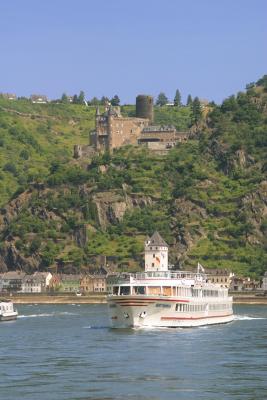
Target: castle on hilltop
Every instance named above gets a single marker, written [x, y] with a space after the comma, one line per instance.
[112, 130]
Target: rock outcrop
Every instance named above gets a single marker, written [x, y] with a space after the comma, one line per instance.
[111, 206]
[11, 258]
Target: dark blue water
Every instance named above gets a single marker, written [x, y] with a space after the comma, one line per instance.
[55, 352]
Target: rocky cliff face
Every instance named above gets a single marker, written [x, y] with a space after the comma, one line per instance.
[11, 258]
[255, 206]
[186, 228]
[111, 206]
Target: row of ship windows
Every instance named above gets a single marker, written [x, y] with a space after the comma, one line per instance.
[169, 291]
[6, 308]
[201, 307]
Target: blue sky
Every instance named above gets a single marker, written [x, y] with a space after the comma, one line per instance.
[208, 48]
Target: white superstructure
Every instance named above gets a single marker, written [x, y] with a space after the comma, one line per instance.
[162, 298]
[7, 311]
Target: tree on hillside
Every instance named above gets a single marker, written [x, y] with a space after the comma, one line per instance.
[64, 98]
[162, 99]
[196, 110]
[189, 100]
[262, 82]
[177, 99]
[115, 101]
[95, 101]
[81, 97]
[104, 100]
[75, 99]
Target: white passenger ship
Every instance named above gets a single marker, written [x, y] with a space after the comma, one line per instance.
[7, 311]
[159, 297]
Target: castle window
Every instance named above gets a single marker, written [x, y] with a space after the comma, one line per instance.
[153, 255]
[153, 265]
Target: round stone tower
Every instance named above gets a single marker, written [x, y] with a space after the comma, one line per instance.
[144, 107]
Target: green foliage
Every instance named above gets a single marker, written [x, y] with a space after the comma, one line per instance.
[196, 110]
[177, 99]
[49, 254]
[64, 98]
[189, 100]
[33, 136]
[24, 154]
[115, 101]
[180, 117]
[10, 167]
[35, 245]
[162, 99]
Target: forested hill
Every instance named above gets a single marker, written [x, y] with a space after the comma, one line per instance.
[207, 197]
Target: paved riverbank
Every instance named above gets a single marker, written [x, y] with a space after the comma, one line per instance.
[71, 299]
[239, 298]
[249, 299]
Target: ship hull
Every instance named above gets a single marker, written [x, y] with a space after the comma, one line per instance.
[137, 312]
[8, 316]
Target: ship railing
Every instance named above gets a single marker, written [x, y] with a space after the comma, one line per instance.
[141, 276]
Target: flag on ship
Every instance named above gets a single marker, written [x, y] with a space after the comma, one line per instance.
[200, 268]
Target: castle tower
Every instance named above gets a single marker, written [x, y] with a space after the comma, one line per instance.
[144, 107]
[156, 253]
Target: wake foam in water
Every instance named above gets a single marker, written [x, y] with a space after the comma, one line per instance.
[246, 318]
[96, 327]
[45, 315]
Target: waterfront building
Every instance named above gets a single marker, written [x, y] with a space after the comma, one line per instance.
[36, 283]
[11, 281]
[32, 284]
[70, 283]
[264, 282]
[222, 277]
[93, 283]
[244, 284]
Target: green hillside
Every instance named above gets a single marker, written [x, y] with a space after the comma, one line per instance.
[33, 136]
[207, 197]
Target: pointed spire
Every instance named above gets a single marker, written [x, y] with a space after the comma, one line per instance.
[156, 240]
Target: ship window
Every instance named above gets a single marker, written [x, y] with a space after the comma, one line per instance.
[179, 307]
[115, 289]
[125, 290]
[140, 289]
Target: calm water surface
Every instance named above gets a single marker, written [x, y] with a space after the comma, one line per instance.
[55, 352]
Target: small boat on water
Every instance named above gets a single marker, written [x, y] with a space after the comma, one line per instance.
[7, 310]
[160, 297]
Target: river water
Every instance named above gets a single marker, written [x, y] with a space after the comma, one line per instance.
[55, 352]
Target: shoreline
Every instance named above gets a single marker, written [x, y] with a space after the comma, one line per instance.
[43, 299]
[102, 299]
